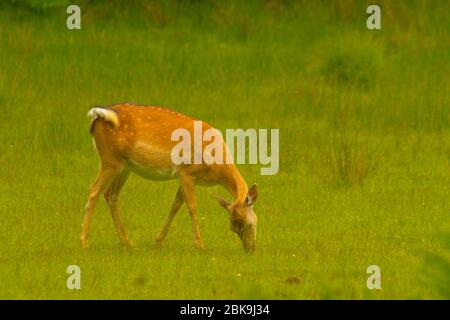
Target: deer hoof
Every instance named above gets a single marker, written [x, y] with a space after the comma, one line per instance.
[128, 243]
[199, 245]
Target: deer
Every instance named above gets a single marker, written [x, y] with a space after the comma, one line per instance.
[133, 138]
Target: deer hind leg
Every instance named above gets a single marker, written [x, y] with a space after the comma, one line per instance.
[177, 203]
[111, 197]
[103, 180]
[187, 184]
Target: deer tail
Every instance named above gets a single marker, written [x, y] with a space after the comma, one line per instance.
[108, 114]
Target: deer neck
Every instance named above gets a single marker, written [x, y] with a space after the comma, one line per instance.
[236, 185]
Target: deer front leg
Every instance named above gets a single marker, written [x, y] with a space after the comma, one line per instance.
[178, 202]
[187, 183]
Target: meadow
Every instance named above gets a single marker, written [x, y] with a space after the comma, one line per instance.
[364, 125]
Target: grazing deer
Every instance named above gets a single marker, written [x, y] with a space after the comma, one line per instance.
[131, 138]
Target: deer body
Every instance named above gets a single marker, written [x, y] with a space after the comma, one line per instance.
[131, 138]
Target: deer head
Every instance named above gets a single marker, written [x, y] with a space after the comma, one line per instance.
[243, 218]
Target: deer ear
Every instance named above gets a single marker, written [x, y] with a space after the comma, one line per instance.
[252, 195]
[224, 203]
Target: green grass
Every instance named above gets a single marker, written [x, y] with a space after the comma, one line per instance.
[364, 146]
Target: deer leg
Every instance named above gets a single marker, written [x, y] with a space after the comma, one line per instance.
[103, 180]
[187, 184]
[177, 203]
[111, 196]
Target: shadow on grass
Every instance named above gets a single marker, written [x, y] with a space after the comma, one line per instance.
[436, 270]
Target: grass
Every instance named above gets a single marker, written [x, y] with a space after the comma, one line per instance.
[364, 146]
[436, 270]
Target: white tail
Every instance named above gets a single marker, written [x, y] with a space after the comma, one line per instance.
[110, 115]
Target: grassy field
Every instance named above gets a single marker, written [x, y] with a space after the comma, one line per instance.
[364, 146]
